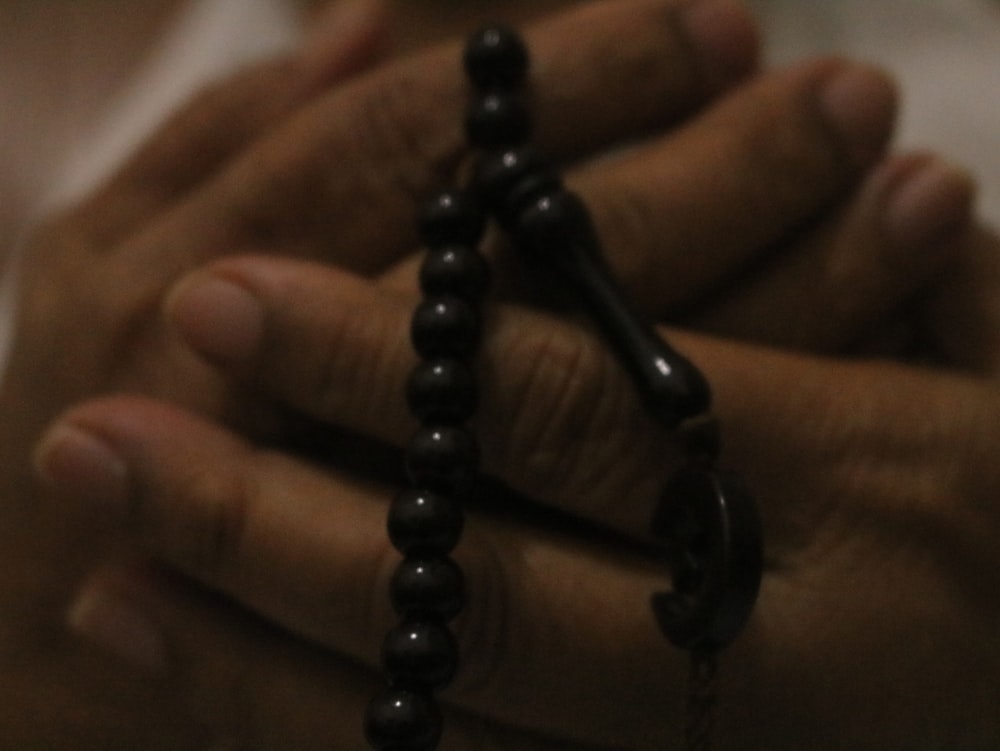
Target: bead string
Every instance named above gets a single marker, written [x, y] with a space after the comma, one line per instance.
[706, 520]
[699, 725]
[419, 656]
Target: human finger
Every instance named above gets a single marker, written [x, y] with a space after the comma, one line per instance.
[885, 469]
[342, 180]
[701, 203]
[559, 419]
[251, 684]
[562, 421]
[841, 282]
[308, 549]
[843, 458]
[226, 116]
[960, 322]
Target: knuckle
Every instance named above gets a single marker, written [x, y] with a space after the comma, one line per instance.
[572, 411]
[662, 76]
[350, 368]
[637, 240]
[204, 521]
[404, 129]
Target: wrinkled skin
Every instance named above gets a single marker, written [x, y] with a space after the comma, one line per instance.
[830, 446]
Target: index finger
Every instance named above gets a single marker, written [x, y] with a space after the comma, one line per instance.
[228, 115]
[343, 177]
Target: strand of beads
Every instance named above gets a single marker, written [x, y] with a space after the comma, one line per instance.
[706, 519]
[419, 655]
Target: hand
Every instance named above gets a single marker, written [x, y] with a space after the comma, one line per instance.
[249, 197]
[87, 279]
[95, 278]
[876, 488]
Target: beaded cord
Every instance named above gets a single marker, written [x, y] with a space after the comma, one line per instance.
[706, 519]
[420, 656]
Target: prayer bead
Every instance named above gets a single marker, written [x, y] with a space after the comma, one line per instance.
[425, 522]
[401, 720]
[451, 217]
[496, 58]
[456, 270]
[442, 458]
[507, 181]
[442, 392]
[420, 654]
[497, 121]
[428, 587]
[445, 327]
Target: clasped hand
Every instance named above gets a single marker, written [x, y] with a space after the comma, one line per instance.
[258, 300]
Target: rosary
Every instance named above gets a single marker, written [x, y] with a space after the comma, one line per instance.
[706, 521]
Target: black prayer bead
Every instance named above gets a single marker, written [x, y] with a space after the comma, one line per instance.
[442, 457]
[445, 327]
[420, 654]
[506, 182]
[496, 57]
[456, 270]
[428, 587]
[401, 720]
[550, 224]
[555, 229]
[450, 218]
[442, 391]
[425, 522]
[497, 121]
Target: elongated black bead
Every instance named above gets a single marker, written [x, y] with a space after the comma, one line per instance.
[402, 720]
[445, 327]
[425, 522]
[451, 218]
[455, 270]
[497, 120]
[428, 587]
[496, 58]
[555, 229]
[420, 654]
[442, 457]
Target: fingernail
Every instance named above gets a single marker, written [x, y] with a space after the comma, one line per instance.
[118, 626]
[928, 204]
[71, 459]
[860, 103]
[342, 39]
[217, 317]
[725, 36]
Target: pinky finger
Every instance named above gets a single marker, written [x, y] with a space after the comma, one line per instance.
[848, 275]
[252, 684]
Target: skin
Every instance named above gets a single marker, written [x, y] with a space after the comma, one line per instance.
[301, 680]
[864, 482]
